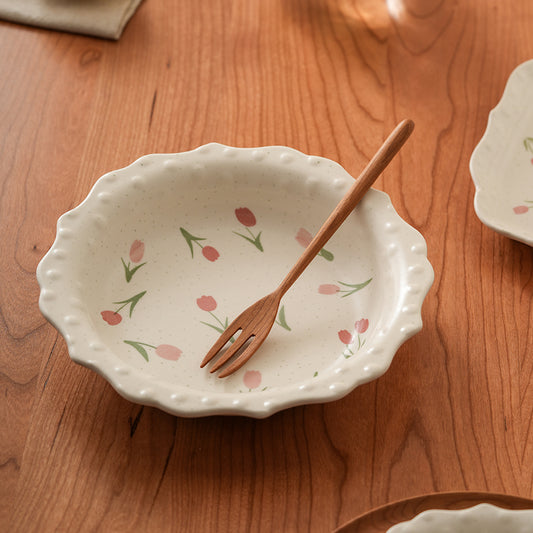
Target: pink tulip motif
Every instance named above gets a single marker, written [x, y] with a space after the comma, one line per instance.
[349, 339]
[328, 288]
[209, 252]
[252, 379]
[206, 303]
[137, 251]
[522, 209]
[135, 255]
[165, 351]
[209, 304]
[345, 337]
[361, 325]
[247, 219]
[113, 317]
[304, 238]
[347, 289]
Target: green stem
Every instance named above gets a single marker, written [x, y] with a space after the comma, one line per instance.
[218, 320]
[121, 307]
[149, 345]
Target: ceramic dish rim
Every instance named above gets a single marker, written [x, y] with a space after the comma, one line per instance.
[257, 404]
[498, 224]
[451, 513]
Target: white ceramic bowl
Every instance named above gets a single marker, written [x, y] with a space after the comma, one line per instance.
[483, 518]
[502, 163]
[148, 269]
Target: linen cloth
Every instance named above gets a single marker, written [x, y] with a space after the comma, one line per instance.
[99, 18]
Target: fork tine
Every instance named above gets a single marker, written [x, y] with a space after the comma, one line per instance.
[244, 356]
[220, 343]
[231, 351]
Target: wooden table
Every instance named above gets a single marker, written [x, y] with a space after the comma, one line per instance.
[331, 78]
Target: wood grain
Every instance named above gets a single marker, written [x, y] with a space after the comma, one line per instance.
[331, 78]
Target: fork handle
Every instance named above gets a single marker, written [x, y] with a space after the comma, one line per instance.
[375, 167]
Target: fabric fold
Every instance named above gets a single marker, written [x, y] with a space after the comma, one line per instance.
[98, 18]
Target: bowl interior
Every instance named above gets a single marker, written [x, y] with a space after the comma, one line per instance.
[162, 255]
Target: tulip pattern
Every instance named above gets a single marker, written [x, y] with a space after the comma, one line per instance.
[136, 255]
[252, 379]
[347, 289]
[134, 261]
[165, 351]
[350, 339]
[522, 209]
[113, 317]
[209, 304]
[209, 252]
[304, 238]
[247, 219]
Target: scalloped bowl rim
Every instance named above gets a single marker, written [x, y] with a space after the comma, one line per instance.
[476, 161]
[451, 515]
[330, 386]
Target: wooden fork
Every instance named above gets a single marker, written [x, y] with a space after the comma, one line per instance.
[256, 322]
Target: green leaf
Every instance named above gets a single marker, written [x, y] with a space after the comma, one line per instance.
[315, 374]
[355, 287]
[139, 347]
[190, 239]
[281, 319]
[528, 144]
[129, 272]
[328, 256]
[133, 301]
[256, 241]
[216, 328]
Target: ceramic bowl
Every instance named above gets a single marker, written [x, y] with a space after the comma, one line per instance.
[148, 270]
[502, 163]
[483, 518]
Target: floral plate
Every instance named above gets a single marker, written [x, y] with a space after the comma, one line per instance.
[148, 270]
[502, 163]
[484, 518]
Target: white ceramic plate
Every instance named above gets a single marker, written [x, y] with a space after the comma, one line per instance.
[502, 163]
[483, 518]
[151, 266]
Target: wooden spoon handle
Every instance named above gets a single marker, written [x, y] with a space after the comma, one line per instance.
[369, 175]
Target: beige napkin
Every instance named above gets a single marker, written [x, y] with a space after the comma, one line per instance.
[100, 18]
